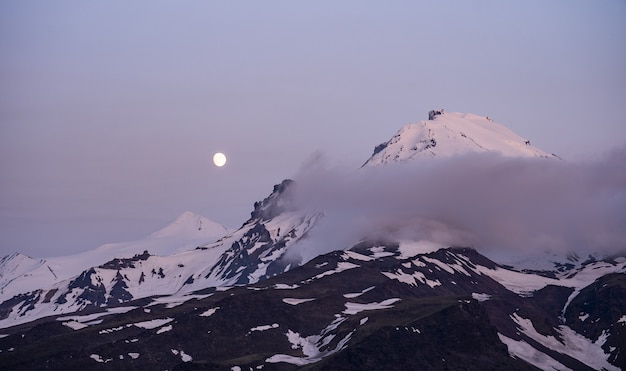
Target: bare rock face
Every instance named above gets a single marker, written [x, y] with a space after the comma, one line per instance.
[275, 204]
[433, 113]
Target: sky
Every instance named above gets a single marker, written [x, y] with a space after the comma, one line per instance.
[110, 112]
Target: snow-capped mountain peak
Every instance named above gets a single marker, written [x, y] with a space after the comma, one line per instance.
[447, 134]
[16, 264]
[20, 273]
[191, 224]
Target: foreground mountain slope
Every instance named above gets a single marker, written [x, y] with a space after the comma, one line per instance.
[375, 306]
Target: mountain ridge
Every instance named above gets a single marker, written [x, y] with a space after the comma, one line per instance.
[365, 304]
[333, 307]
[243, 256]
[180, 235]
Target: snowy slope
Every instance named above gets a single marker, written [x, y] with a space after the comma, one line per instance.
[17, 265]
[19, 273]
[247, 255]
[449, 134]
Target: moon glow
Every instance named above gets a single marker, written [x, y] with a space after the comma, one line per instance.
[219, 159]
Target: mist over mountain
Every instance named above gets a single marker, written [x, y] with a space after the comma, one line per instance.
[481, 199]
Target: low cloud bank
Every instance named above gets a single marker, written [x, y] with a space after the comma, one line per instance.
[483, 201]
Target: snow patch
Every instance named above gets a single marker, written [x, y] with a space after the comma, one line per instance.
[164, 329]
[354, 308]
[175, 300]
[110, 330]
[264, 327]
[296, 301]
[341, 266]
[209, 312]
[74, 325]
[481, 297]
[411, 279]
[356, 256]
[282, 286]
[133, 355]
[99, 359]
[380, 252]
[409, 249]
[353, 295]
[183, 356]
[149, 325]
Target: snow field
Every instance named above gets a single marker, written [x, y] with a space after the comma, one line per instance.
[311, 346]
[571, 343]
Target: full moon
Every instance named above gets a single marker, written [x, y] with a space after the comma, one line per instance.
[219, 159]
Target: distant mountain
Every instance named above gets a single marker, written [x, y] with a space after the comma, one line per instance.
[251, 253]
[191, 225]
[451, 134]
[242, 303]
[20, 273]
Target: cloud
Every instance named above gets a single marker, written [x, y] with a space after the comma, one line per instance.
[483, 200]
